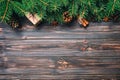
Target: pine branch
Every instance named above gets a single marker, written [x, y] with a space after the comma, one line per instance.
[17, 7]
[1, 1]
[65, 2]
[50, 10]
[46, 4]
[73, 9]
[4, 15]
[112, 6]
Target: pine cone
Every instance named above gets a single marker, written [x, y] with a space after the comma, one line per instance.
[14, 23]
[54, 23]
[65, 14]
[106, 19]
[66, 17]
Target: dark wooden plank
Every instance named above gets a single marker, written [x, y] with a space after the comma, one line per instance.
[69, 71]
[2, 47]
[54, 62]
[58, 35]
[60, 77]
[61, 52]
[78, 45]
[62, 42]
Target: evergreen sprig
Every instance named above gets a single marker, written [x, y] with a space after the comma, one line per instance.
[52, 10]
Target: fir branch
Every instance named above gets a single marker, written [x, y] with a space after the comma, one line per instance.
[112, 7]
[72, 7]
[5, 12]
[18, 7]
[65, 2]
[44, 2]
[32, 7]
[1, 1]
[53, 9]
[0, 16]
[83, 12]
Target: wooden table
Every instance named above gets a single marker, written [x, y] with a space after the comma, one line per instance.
[61, 53]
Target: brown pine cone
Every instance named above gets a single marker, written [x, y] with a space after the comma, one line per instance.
[54, 23]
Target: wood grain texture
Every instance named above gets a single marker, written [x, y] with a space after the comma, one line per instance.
[61, 53]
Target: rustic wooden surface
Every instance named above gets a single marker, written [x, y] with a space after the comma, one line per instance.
[61, 53]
